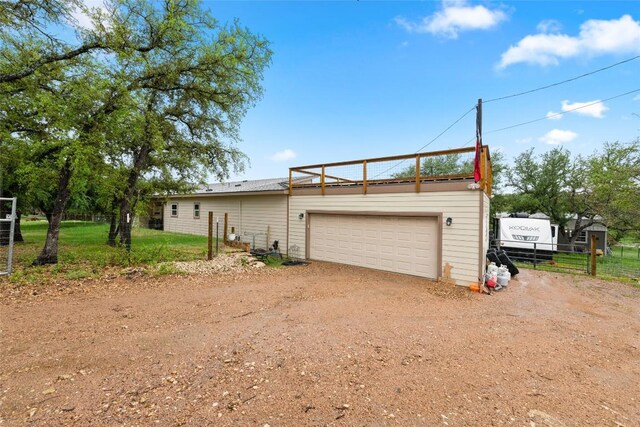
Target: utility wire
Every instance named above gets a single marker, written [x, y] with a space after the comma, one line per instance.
[555, 115]
[562, 82]
[428, 143]
[444, 131]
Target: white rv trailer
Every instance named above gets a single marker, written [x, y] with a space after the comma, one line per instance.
[527, 234]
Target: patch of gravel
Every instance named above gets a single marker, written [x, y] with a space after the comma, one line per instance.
[224, 263]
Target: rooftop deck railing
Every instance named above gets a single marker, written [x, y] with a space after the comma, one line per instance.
[417, 169]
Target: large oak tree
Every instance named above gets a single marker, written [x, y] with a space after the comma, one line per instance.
[154, 92]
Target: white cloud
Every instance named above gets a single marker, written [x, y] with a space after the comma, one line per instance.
[591, 108]
[81, 16]
[549, 26]
[524, 140]
[558, 136]
[281, 156]
[552, 115]
[596, 37]
[454, 17]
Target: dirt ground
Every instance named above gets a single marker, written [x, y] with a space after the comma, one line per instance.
[320, 345]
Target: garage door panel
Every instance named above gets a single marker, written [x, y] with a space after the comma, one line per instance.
[386, 235]
[424, 237]
[401, 244]
[403, 236]
[385, 250]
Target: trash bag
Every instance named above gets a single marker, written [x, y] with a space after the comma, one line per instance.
[493, 257]
[504, 258]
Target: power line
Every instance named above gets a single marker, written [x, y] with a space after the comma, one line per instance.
[555, 114]
[564, 112]
[562, 82]
[444, 131]
[430, 142]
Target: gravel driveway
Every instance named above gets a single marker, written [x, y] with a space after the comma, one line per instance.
[321, 344]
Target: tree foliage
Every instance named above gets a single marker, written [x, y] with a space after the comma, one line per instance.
[455, 164]
[150, 97]
[602, 187]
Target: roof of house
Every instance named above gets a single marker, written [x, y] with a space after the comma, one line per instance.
[246, 186]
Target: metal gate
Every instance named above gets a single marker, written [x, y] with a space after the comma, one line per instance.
[7, 227]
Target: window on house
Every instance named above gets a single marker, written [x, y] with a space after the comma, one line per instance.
[582, 237]
[196, 210]
[174, 209]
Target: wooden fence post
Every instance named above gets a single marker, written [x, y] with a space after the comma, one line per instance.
[210, 234]
[593, 254]
[226, 222]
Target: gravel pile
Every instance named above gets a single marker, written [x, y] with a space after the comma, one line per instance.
[224, 263]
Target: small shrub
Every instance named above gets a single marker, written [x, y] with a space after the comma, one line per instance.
[78, 274]
[166, 268]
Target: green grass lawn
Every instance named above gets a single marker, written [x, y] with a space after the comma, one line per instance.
[83, 251]
[626, 251]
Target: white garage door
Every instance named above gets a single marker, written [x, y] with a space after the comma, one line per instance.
[401, 244]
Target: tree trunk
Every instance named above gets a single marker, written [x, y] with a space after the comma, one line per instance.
[114, 226]
[127, 202]
[114, 230]
[126, 219]
[572, 242]
[17, 231]
[49, 254]
[140, 162]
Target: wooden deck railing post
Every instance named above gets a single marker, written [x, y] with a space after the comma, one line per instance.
[364, 177]
[418, 173]
[290, 180]
[322, 180]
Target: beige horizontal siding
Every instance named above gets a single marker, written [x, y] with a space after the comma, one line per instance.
[460, 242]
[261, 214]
[485, 230]
[247, 215]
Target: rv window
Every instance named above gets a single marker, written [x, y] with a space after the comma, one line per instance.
[553, 231]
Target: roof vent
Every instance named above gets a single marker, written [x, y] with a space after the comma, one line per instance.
[209, 189]
[238, 185]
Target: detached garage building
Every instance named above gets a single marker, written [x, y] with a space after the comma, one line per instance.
[402, 214]
[380, 213]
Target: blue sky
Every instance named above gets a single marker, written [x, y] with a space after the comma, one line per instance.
[352, 80]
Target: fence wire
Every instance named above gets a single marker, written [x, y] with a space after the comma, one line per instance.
[614, 264]
[7, 223]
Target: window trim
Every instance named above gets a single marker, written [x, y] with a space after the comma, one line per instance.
[578, 238]
[196, 210]
[171, 209]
